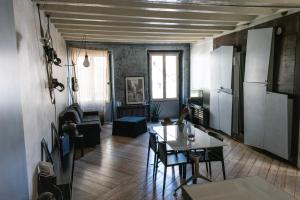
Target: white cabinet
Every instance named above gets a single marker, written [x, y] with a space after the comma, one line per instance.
[267, 119]
[277, 129]
[221, 88]
[226, 62]
[258, 55]
[214, 70]
[225, 110]
[254, 114]
[214, 118]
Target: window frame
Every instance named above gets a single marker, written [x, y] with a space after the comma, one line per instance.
[164, 54]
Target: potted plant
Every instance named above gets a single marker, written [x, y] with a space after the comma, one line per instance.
[155, 112]
[183, 115]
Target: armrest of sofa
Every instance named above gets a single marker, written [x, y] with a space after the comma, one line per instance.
[91, 132]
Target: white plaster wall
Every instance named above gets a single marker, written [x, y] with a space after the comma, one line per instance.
[200, 67]
[38, 112]
[200, 54]
[13, 176]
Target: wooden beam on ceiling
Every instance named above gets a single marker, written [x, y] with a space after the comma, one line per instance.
[102, 32]
[146, 14]
[138, 26]
[250, 3]
[133, 29]
[121, 40]
[132, 37]
[175, 7]
[130, 20]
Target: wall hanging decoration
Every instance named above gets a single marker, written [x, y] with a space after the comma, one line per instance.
[50, 57]
[135, 90]
[74, 80]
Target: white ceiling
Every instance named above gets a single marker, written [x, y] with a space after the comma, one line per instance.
[155, 21]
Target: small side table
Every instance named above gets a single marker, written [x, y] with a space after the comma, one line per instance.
[79, 142]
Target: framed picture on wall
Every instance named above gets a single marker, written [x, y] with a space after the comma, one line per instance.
[135, 90]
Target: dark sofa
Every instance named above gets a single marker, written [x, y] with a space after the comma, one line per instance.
[87, 123]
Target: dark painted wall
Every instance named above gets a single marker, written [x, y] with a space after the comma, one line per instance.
[13, 178]
[132, 60]
[286, 61]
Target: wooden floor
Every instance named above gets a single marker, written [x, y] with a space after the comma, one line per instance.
[116, 169]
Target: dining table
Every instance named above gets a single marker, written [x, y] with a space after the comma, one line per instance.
[188, 138]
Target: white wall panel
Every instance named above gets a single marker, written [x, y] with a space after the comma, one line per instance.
[254, 114]
[276, 138]
[259, 46]
[225, 110]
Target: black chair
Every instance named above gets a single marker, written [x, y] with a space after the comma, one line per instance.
[169, 160]
[153, 146]
[215, 154]
[153, 141]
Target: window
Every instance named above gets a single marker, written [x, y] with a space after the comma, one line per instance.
[93, 81]
[164, 75]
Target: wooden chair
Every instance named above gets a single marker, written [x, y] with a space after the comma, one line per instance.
[169, 160]
[215, 154]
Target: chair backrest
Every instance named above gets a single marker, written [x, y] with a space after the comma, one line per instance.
[54, 136]
[215, 135]
[45, 152]
[153, 141]
[162, 152]
[215, 153]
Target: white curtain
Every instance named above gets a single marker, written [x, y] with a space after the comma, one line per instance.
[93, 81]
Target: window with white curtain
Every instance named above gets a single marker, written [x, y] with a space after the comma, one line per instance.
[93, 81]
[164, 75]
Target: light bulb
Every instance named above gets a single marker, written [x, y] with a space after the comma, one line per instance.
[86, 61]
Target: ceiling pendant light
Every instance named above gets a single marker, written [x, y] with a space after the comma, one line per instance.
[86, 61]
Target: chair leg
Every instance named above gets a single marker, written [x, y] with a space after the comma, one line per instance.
[154, 167]
[165, 174]
[180, 170]
[81, 148]
[223, 168]
[206, 167]
[148, 156]
[184, 171]
[209, 165]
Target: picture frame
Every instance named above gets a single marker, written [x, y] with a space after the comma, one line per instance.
[135, 90]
